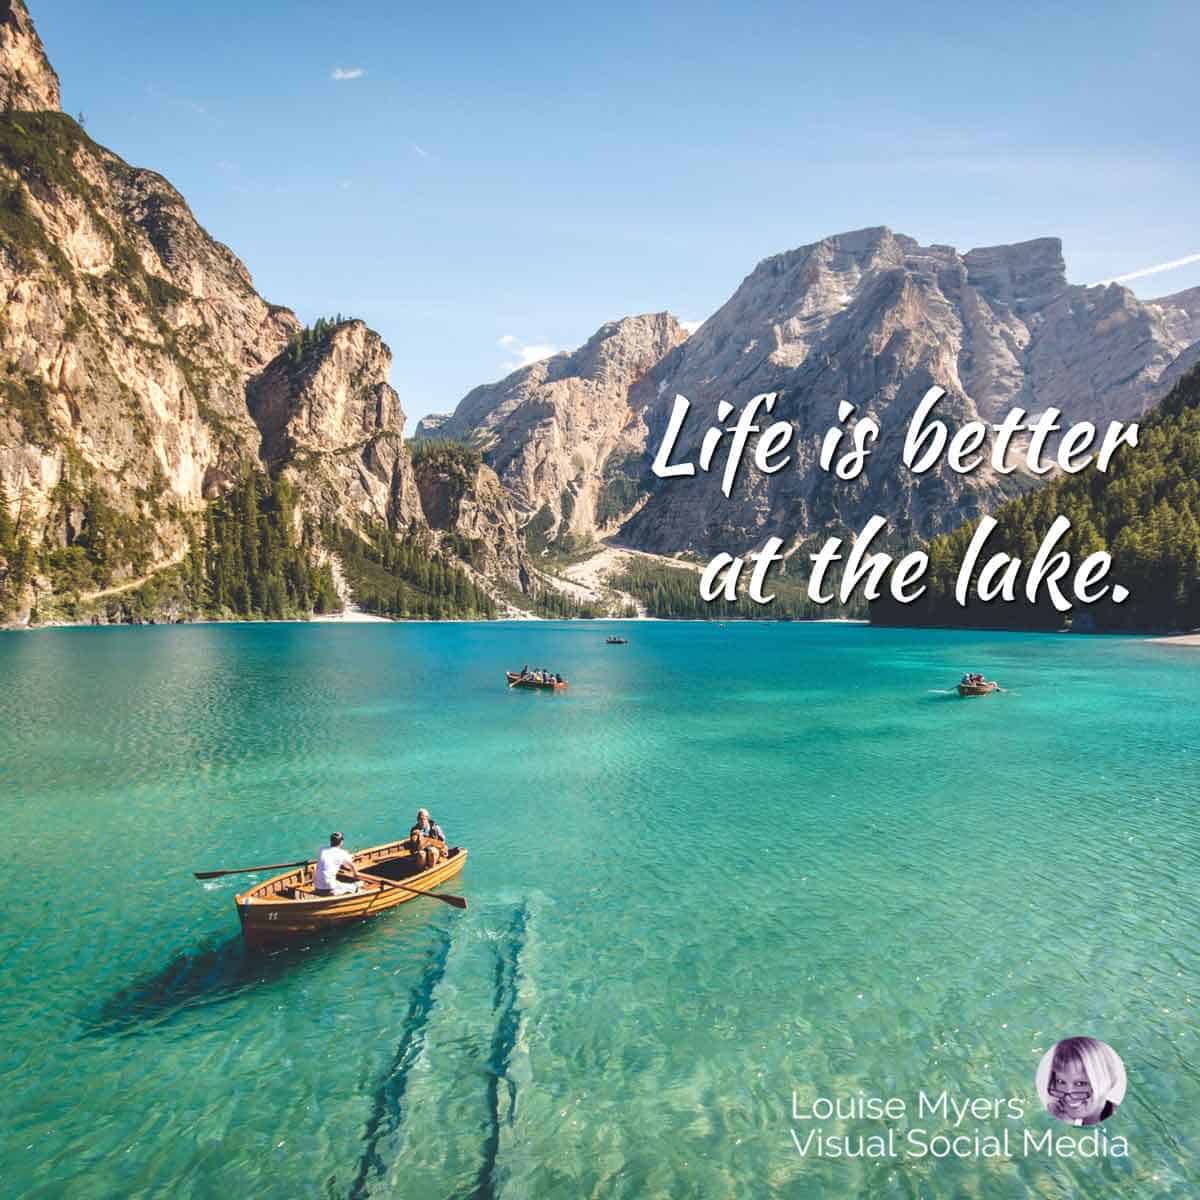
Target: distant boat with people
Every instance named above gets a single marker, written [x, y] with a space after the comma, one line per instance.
[976, 685]
[537, 678]
[616, 641]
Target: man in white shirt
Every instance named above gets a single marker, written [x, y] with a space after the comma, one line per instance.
[330, 861]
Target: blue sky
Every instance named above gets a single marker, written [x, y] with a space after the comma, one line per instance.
[487, 179]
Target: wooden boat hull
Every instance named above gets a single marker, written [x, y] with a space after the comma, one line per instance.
[977, 689]
[516, 680]
[285, 907]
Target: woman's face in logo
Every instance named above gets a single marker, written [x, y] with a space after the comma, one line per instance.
[1074, 1097]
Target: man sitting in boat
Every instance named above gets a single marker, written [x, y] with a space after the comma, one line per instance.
[427, 826]
[330, 861]
[425, 853]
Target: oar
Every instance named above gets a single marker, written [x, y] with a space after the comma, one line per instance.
[456, 901]
[246, 870]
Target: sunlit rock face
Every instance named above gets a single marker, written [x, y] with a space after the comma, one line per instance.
[874, 319]
[28, 82]
[138, 363]
[566, 435]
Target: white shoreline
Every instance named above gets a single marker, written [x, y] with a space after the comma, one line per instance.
[362, 618]
[1191, 640]
[348, 616]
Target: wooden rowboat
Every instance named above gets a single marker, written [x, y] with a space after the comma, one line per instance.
[516, 679]
[286, 906]
[986, 688]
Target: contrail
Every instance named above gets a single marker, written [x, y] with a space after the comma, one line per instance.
[1158, 270]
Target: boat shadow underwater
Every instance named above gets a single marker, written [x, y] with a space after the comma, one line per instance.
[444, 959]
[220, 971]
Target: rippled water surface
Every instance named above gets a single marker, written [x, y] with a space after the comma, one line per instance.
[730, 864]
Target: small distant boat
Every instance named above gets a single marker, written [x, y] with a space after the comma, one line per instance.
[616, 641]
[516, 679]
[287, 907]
[978, 687]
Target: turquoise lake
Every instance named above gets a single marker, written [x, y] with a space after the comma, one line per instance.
[729, 865]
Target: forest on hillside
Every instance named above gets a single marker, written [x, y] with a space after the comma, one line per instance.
[1144, 511]
[674, 593]
[243, 559]
[246, 559]
[401, 578]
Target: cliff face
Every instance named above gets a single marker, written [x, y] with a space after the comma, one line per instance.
[332, 423]
[470, 512]
[565, 436]
[1181, 314]
[141, 373]
[128, 335]
[27, 80]
[127, 340]
[430, 426]
[875, 319]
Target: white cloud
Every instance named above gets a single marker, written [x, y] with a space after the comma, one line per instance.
[691, 326]
[341, 73]
[522, 354]
[1186, 261]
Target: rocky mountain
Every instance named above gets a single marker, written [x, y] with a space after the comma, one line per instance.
[869, 317]
[463, 500]
[143, 379]
[28, 82]
[430, 425]
[875, 319]
[566, 435]
[141, 373]
[331, 423]
[1181, 313]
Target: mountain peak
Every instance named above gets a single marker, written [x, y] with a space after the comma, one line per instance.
[623, 349]
[28, 82]
[1025, 273]
[560, 432]
[858, 247]
[1181, 314]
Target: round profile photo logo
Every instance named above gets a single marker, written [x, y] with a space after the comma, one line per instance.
[1081, 1080]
